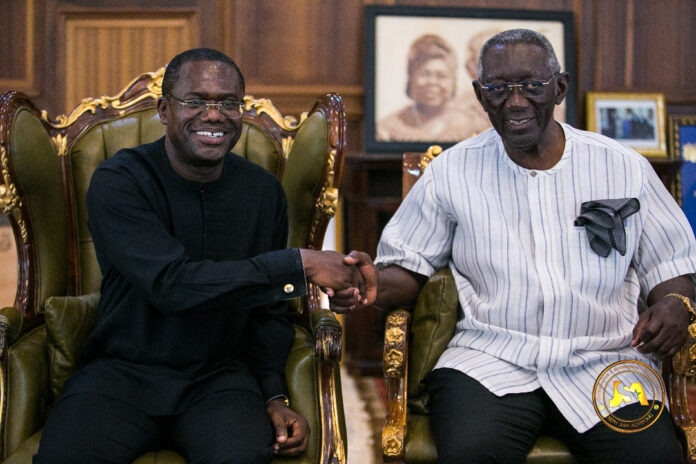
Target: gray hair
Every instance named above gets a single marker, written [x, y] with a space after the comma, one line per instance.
[521, 36]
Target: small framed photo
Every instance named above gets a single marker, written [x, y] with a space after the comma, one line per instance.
[420, 63]
[634, 119]
[682, 147]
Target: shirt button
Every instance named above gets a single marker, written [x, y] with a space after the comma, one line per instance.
[533, 173]
[289, 288]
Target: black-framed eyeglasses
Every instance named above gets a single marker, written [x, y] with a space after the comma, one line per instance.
[230, 108]
[501, 90]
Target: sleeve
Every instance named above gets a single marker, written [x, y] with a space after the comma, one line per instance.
[419, 235]
[133, 240]
[667, 248]
[272, 332]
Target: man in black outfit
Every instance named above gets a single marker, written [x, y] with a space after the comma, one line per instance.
[193, 331]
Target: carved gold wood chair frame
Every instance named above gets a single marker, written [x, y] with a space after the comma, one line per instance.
[676, 372]
[141, 93]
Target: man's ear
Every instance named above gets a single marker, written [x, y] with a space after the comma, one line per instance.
[562, 84]
[162, 109]
[479, 94]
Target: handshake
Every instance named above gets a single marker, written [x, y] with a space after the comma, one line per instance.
[350, 280]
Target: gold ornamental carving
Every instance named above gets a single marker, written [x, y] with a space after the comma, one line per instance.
[394, 335]
[328, 198]
[684, 360]
[429, 155]
[10, 203]
[690, 435]
[392, 440]
[327, 202]
[90, 104]
[60, 141]
[397, 318]
[286, 145]
[393, 362]
[264, 105]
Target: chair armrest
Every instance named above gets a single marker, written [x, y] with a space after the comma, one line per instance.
[327, 335]
[396, 371]
[676, 373]
[327, 332]
[24, 381]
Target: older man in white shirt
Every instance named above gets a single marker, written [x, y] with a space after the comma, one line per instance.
[547, 306]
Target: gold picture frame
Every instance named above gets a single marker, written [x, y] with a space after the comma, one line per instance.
[632, 118]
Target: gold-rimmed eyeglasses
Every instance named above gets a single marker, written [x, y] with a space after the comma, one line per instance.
[501, 90]
[230, 108]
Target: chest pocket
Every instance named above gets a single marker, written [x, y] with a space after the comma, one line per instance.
[594, 274]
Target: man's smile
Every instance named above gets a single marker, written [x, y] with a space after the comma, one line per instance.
[519, 122]
[211, 136]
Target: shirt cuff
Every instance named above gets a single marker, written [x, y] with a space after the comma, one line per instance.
[285, 399]
[286, 274]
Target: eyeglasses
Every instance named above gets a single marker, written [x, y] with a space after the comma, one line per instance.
[230, 108]
[502, 90]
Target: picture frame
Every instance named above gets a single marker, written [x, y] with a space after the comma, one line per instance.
[682, 147]
[633, 118]
[395, 37]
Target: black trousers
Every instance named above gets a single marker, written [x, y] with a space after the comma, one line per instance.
[472, 425]
[226, 427]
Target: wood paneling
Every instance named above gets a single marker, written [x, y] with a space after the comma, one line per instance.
[663, 56]
[17, 57]
[279, 51]
[122, 45]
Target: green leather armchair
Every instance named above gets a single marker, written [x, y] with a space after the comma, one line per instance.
[46, 165]
[414, 340]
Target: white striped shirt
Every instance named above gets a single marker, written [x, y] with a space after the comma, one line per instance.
[540, 308]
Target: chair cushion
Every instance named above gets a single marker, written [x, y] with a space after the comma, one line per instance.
[432, 326]
[69, 321]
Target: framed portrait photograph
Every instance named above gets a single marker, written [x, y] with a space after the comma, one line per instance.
[634, 119]
[682, 146]
[421, 61]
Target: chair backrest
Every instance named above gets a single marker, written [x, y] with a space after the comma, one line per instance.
[46, 166]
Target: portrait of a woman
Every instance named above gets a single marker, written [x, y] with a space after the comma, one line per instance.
[431, 85]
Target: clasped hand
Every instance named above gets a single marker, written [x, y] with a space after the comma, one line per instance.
[349, 281]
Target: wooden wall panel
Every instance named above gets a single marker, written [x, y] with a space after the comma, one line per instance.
[664, 43]
[609, 45]
[306, 48]
[17, 57]
[122, 45]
